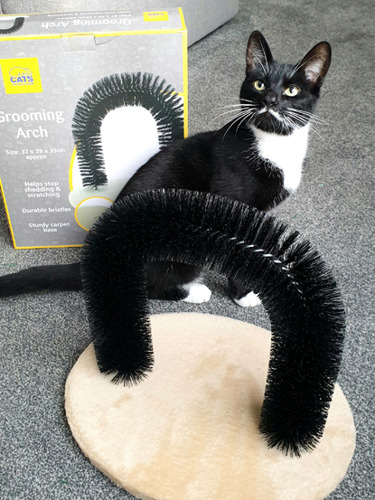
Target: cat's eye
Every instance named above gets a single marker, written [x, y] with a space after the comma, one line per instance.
[259, 85]
[292, 91]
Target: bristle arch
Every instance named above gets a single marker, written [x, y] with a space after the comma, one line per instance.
[295, 285]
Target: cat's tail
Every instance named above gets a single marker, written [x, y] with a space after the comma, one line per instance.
[42, 278]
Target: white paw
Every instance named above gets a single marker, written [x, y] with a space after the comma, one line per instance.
[249, 300]
[198, 293]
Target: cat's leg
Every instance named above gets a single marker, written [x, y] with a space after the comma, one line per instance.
[175, 281]
[241, 295]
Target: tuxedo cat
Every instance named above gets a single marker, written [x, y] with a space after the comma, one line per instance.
[256, 158]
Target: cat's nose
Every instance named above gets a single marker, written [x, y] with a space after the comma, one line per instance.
[270, 99]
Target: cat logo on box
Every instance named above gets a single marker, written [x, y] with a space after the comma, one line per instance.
[21, 76]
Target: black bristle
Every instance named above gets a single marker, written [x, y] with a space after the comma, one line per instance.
[17, 25]
[112, 92]
[294, 284]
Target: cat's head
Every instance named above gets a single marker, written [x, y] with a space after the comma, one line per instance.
[282, 97]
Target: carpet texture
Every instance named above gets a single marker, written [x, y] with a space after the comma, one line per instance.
[190, 431]
[43, 335]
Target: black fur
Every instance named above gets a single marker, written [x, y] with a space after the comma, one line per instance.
[224, 162]
[249, 247]
[51, 278]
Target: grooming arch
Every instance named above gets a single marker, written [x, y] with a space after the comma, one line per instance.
[295, 286]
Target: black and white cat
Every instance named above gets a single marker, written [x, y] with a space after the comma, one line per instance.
[256, 158]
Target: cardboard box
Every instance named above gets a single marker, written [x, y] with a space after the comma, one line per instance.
[53, 68]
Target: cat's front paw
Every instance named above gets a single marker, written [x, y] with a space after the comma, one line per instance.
[197, 293]
[249, 300]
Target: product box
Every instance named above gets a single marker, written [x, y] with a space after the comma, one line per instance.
[86, 99]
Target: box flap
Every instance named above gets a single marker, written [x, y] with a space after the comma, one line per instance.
[99, 22]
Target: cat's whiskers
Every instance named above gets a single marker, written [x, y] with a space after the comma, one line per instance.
[311, 116]
[290, 123]
[240, 106]
[305, 117]
[241, 122]
[298, 121]
[297, 118]
[240, 114]
[235, 108]
[235, 117]
[295, 121]
[248, 100]
[248, 114]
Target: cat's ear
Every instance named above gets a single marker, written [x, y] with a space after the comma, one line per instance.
[258, 53]
[316, 63]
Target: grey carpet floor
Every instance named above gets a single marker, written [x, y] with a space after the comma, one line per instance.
[43, 335]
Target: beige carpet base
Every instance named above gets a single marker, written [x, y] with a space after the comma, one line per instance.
[190, 431]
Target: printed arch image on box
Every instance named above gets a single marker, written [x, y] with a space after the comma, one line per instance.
[119, 123]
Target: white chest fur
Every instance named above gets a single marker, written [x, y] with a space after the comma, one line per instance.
[286, 152]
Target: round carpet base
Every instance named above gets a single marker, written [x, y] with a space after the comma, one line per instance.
[190, 431]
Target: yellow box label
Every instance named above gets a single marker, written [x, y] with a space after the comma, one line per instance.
[155, 16]
[21, 76]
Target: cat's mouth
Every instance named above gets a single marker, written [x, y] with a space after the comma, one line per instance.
[269, 112]
[270, 120]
